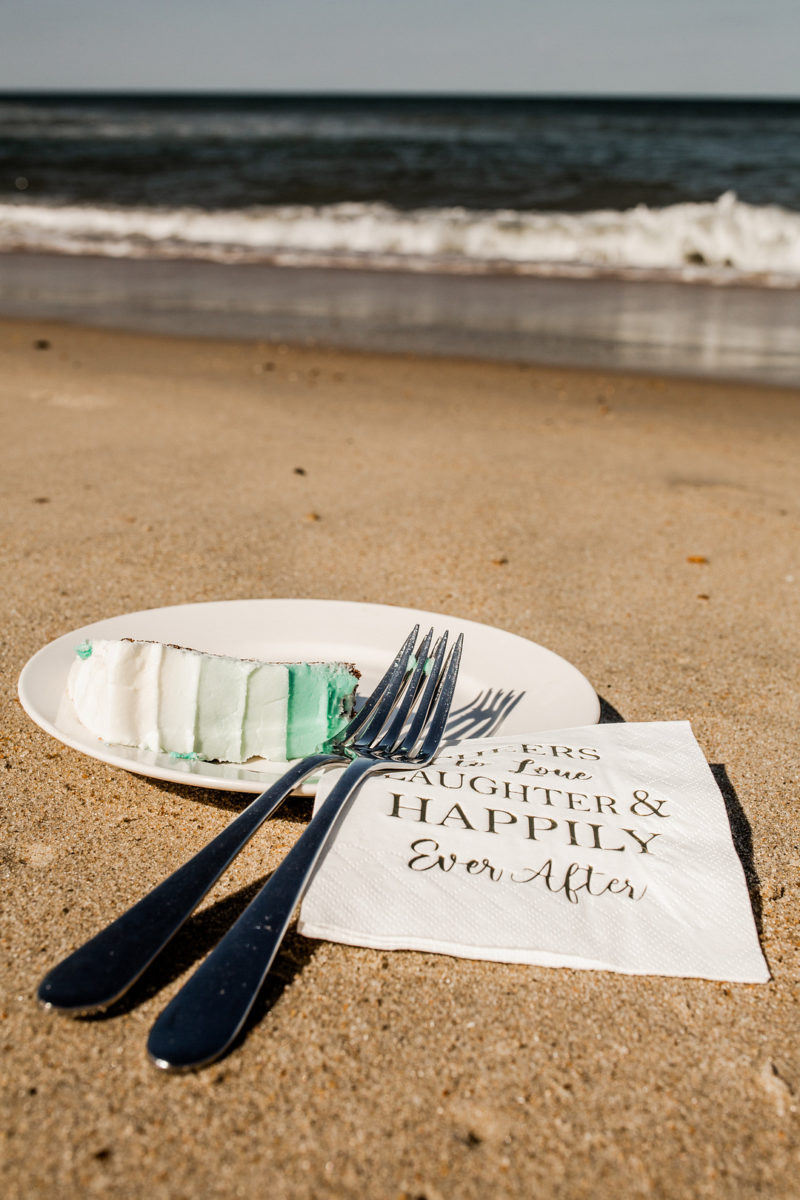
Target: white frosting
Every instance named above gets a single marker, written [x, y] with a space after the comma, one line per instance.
[167, 698]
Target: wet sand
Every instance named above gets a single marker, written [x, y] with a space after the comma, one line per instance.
[629, 322]
[644, 528]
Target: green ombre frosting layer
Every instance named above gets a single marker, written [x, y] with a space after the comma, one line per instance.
[321, 697]
[195, 705]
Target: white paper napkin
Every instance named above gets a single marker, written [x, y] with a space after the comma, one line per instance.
[603, 847]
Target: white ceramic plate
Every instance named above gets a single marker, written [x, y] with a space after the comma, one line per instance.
[506, 685]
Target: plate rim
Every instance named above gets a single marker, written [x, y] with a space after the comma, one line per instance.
[248, 781]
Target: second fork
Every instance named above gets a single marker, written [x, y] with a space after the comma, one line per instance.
[203, 1020]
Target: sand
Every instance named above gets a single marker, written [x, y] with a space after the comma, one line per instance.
[646, 529]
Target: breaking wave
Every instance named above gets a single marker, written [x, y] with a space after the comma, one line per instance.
[724, 241]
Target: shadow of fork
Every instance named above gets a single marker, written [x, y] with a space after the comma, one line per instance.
[193, 942]
[482, 716]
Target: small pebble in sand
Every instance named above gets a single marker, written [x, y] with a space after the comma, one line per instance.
[41, 499]
[499, 562]
[299, 470]
[313, 516]
[41, 344]
[38, 854]
[697, 558]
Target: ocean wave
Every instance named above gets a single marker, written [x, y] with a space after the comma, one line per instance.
[723, 241]
[67, 123]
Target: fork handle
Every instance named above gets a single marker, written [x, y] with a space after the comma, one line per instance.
[204, 1018]
[103, 969]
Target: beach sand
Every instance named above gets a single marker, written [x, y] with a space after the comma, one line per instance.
[644, 528]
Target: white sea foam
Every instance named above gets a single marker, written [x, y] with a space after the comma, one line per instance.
[724, 241]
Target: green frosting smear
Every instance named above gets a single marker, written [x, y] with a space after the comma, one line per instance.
[320, 704]
[84, 650]
[190, 755]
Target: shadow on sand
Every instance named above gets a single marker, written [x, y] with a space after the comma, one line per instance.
[196, 939]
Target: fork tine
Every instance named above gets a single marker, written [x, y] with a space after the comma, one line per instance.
[442, 702]
[422, 709]
[380, 703]
[398, 719]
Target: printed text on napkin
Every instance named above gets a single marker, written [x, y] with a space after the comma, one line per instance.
[601, 847]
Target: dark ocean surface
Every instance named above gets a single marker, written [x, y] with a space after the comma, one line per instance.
[689, 188]
[543, 155]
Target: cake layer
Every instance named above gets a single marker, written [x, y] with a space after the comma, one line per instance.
[208, 706]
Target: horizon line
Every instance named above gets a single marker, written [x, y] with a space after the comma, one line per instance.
[396, 94]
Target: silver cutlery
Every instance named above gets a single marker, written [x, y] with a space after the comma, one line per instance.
[204, 1018]
[104, 968]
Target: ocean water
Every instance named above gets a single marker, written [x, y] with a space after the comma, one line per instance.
[671, 190]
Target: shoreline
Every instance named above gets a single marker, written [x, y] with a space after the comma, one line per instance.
[690, 330]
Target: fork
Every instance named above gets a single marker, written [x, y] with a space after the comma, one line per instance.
[203, 1020]
[101, 970]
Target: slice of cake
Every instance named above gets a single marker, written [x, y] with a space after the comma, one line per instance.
[196, 705]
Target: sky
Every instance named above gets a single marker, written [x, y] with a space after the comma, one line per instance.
[665, 47]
